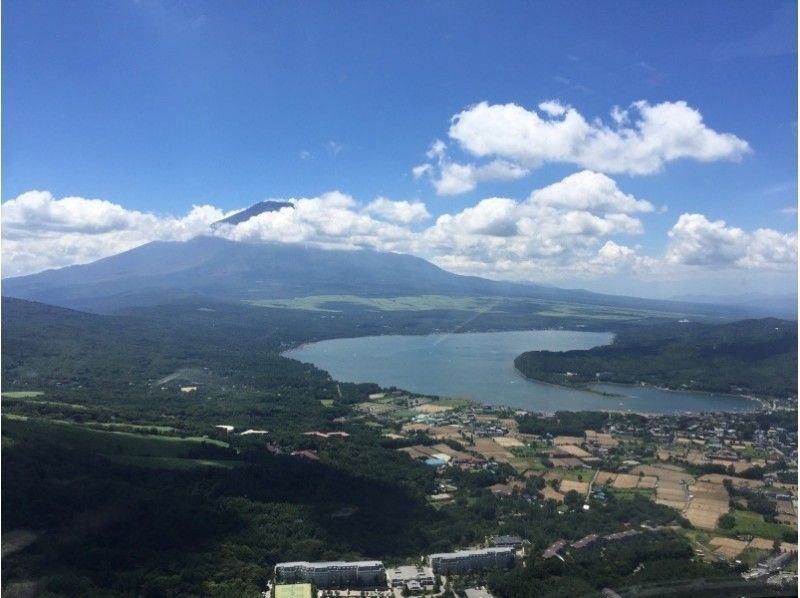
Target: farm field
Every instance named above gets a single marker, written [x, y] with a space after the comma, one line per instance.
[753, 524]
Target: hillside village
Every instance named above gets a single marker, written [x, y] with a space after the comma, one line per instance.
[731, 478]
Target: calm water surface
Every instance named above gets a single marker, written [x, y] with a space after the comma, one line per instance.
[480, 366]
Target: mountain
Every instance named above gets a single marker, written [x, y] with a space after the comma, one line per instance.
[776, 305]
[210, 267]
[253, 211]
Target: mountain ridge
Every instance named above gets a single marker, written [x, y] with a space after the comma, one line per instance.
[208, 266]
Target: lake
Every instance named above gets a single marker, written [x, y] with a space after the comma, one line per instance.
[480, 366]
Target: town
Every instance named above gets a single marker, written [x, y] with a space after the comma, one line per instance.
[731, 479]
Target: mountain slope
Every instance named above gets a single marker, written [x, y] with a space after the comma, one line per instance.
[253, 211]
[211, 267]
[214, 267]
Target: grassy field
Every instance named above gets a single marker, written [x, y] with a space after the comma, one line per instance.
[124, 427]
[36, 401]
[557, 310]
[753, 524]
[454, 403]
[751, 556]
[22, 394]
[107, 442]
[412, 303]
[629, 493]
[576, 475]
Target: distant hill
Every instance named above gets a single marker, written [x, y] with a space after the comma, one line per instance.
[252, 211]
[750, 357]
[784, 306]
[215, 268]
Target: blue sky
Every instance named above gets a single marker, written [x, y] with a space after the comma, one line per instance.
[158, 106]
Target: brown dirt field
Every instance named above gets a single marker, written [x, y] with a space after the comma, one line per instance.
[674, 504]
[551, 494]
[648, 482]
[575, 451]
[671, 494]
[696, 458]
[728, 547]
[785, 507]
[445, 432]
[443, 448]
[415, 428]
[701, 518]
[567, 462]
[579, 487]
[786, 547]
[491, 450]
[663, 454]
[709, 501]
[717, 478]
[562, 440]
[664, 473]
[626, 480]
[760, 544]
[606, 440]
[431, 408]
[604, 476]
[508, 442]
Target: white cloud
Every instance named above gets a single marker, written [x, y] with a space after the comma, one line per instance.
[589, 190]
[641, 140]
[553, 231]
[40, 231]
[456, 178]
[332, 221]
[696, 241]
[573, 229]
[405, 212]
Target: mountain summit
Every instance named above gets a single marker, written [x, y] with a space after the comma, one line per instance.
[253, 211]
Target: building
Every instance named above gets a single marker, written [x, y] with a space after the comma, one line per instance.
[294, 590]
[554, 549]
[464, 561]
[410, 576]
[333, 574]
[585, 541]
[512, 541]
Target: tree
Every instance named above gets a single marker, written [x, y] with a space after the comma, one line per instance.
[726, 521]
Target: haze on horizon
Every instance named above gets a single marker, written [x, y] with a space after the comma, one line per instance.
[527, 143]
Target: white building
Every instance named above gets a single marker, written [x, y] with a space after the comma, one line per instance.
[333, 574]
[464, 561]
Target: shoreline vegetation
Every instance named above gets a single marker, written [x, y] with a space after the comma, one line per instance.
[750, 359]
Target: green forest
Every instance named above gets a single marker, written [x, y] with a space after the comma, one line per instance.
[751, 357]
[119, 484]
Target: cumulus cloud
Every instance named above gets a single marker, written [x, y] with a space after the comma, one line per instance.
[405, 212]
[455, 178]
[695, 240]
[554, 230]
[640, 140]
[40, 231]
[577, 227]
